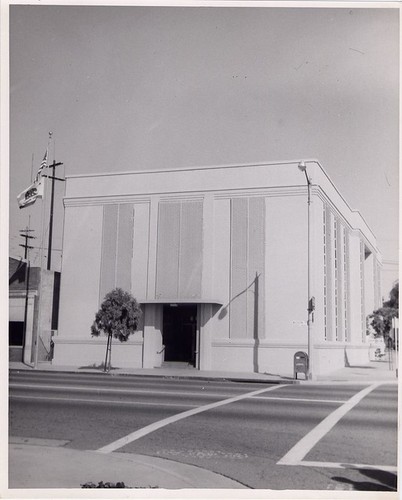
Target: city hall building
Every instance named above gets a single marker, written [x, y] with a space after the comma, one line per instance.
[222, 260]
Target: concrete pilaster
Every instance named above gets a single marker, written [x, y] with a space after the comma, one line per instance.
[153, 240]
[205, 337]
[152, 335]
[208, 246]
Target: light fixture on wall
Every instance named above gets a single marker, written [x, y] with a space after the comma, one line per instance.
[302, 166]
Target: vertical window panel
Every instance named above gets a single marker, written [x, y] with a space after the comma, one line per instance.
[190, 257]
[239, 281]
[346, 279]
[109, 244]
[362, 294]
[124, 246]
[325, 274]
[168, 250]
[336, 280]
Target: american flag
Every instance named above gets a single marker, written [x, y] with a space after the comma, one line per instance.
[42, 166]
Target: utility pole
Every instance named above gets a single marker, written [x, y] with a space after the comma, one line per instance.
[311, 300]
[49, 251]
[24, 234]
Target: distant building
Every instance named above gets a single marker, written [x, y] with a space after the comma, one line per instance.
[24, 290]
[218, 259]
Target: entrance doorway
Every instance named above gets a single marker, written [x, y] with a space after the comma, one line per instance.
[180, 333]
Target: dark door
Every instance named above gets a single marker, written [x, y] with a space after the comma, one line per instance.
[179, 332]
[16, 340]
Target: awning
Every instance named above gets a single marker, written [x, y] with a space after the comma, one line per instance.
[181, 301]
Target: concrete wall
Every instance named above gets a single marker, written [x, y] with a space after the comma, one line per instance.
[286, 269]
[369, 286]
[91, 352]
[356, 328]
[79, 296]
[80, 280]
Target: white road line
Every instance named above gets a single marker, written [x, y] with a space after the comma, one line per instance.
[302, 448]
[340, 465]
[125, 391]
[175, 418]
[106, 401]
[303, 400]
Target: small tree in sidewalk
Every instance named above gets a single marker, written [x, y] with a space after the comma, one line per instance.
[381, 319]
[118, 317]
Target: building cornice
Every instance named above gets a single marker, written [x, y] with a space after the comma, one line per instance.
[195, 195]
[191, 169]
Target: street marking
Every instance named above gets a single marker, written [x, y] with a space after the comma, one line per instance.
[303, 400]
[296, 454]
[106, 401]
[175, 418]
[125, 391]
[340, 465]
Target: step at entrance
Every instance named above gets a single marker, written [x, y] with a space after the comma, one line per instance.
[177, 364]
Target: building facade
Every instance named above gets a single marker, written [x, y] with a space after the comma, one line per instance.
[219, 259]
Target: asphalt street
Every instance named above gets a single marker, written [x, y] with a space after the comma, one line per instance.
[307, 436]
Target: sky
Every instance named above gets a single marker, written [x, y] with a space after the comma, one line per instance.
[136, 88]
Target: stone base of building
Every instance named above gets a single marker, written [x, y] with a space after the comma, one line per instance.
[224, 355]
[91, 353]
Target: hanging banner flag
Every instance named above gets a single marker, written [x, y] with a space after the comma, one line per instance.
[30, 194]
[35, 190]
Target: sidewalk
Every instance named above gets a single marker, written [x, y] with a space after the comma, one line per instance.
[33, 466]
[162, 372]
[374, 371]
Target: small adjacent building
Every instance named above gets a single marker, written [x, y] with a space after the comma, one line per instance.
[24, 317]
[218, 257]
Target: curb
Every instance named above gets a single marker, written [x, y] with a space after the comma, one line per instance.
[177, 377]
[353, 380]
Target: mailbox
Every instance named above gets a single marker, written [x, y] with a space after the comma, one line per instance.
[300, 364]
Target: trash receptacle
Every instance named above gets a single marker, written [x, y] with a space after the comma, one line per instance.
[300, 364]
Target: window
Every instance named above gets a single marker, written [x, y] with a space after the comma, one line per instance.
[345, 282]
[16, 333]
[336, 280]
[325, 273]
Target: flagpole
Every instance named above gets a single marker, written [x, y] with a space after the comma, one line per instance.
[41, 252]
[32, 165]
[54, 178]
[49, 247]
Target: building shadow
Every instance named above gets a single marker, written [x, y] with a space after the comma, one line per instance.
[346, 359]
[362, 367]
[224, 310]
[379, 480]
[18, 274]
[95, 366]
[255, 329]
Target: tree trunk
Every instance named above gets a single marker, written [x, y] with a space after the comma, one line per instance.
[108, 353]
